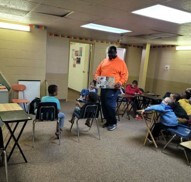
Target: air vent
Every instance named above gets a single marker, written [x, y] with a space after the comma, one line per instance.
[158, 36]
[52, 11]
[61, 15]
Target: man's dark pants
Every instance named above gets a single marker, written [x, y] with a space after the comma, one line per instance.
[108, 102]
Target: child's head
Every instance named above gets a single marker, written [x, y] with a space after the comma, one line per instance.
[52, 90]
[92, 85]
[175, 97]
[134, 83]
[92, 97]
[167, 101]
[188, 93]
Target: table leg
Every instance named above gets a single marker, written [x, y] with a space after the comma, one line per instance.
[16, 140]
[15, 127]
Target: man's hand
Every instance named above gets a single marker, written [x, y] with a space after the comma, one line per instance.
[117, 85]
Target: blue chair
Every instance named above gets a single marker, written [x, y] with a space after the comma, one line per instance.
[90, 112]
[2, 151]
[181, 131]
[46, 112]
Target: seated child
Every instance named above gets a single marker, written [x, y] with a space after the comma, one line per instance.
[133, 89]
[84, 92]
[167, 116]
[92, 98]
[178, 110]
[185, 103]
[53, 92]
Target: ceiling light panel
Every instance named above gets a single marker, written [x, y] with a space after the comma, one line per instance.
[105, 28]
[14, 26]
[165, 13]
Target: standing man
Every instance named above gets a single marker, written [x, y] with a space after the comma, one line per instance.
[115, 67]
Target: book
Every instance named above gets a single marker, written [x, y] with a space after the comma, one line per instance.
[105, 82]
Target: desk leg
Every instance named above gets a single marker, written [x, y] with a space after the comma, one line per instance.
[127, 109]
[15, 127]
[16, 140]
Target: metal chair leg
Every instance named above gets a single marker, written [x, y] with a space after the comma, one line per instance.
[168, 142]
[72, 125]
[98, 128]
[78, 131]
[33, 133]
[59, 132]
[5, 162]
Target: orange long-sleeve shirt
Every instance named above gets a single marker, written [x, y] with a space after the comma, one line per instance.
[113, 68]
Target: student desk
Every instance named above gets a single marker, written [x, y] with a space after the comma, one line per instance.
[124, 99]
[13, 113]
[148, 99]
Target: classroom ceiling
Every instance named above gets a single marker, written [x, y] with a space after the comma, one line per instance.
[66, 16]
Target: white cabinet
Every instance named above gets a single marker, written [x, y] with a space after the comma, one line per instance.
[4, 96]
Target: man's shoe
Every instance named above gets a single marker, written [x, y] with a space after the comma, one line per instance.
[57, 135]
[137, 117]
[105, 125]
[112, 127]
[87, 123]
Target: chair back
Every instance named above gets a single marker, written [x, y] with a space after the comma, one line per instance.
[18, 87]
[90, 111]
[1, 139]
[47, 111]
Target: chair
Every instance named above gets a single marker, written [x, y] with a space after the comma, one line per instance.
[181, 131]
[46, 112]
[2, 151]
[90, 112]
[19, 88]
[150, 118]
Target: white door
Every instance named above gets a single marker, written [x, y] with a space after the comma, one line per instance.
[79, 65]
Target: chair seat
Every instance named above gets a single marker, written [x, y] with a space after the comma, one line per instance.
[180, 131]
[20, 101]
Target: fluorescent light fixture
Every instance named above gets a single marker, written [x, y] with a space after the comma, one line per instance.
[183, 48]
[105, 28]
[14, 26]
[165, 13]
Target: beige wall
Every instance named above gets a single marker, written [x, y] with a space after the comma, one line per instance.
[177, 78]
[34, 56]
[133, 60]
[57, 64]
[23, 55]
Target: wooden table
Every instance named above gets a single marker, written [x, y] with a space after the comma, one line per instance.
[13, 113]
[186, 145]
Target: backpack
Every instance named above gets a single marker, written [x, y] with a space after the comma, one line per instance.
[33, 105]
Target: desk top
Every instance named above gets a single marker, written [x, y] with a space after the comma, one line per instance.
[186, 144]
[10, 107]
[14, 116]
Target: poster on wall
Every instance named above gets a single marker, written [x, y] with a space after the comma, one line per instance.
[76, 56]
